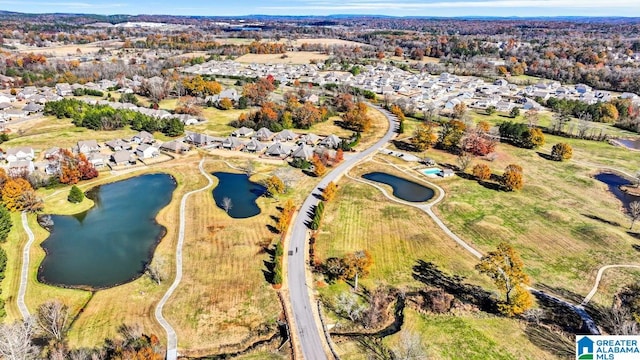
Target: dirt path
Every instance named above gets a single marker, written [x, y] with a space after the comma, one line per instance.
[172, 338]
[599, 277]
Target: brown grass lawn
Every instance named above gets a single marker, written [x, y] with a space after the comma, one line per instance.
[292, 57]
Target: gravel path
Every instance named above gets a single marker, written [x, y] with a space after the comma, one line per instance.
[172, 338]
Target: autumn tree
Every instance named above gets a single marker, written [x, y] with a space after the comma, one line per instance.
[535, 138]
[329, 192]
[12, 192]
[319, 167]
[561, 152]
[258, 92]
[463, 160]
[343, 102]
[339, 156]
[306, 115]
[609, 112]
[225, 104]
[357, 264]
[459, 110]
[357, 118]
[285, 218]
[274, 186]
[505, 267]
[481, 172]
[478, 143]
[424, 136]
[451, 135]
[512, 178]
[198, 86]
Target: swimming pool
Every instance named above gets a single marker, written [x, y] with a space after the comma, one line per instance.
[431, 171]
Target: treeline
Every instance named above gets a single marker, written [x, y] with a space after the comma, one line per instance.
[104, 117]
[277, 117]
[5, 228]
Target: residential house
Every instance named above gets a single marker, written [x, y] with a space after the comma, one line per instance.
[7, 98]
[87, 147]
[97, 160]
[303, 151]
[331, 142]
[199, 140]
[278, 150]
[64, 89]
[232, 143]
[118, 144]
[175, 146]
[122, 157]
[143, 137]
[19, 168]
[5, 105]
[20, 153]
[309, 139]
[312, 98]
[13, 114]
[146, 151]
[285, 135]
[264, 134]
[243, 132]
[447, 173]
[255, 146]
[52, 153]
[32, 108]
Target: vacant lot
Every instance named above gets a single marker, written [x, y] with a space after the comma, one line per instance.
[290, 57]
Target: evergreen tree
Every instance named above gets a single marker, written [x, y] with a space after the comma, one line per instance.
[75, 195]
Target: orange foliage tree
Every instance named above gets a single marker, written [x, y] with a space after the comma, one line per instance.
[512, 178]
[13, 191]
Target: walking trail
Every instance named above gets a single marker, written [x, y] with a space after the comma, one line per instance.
[172, 338]
[24, 274]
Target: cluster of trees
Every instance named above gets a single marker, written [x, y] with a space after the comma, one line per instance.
[318, 212]
[274, 186]
[258, 91]
[512, 178]
[521, 135]
[330, 191]
[18, 194]
[199, 87]
[356, 117]
[349, 267]
[5, 228]
[74, 168]
[44, 336]
[277, 117]
[278, 252]
[104, 117]
[285, 217]
[90, 92]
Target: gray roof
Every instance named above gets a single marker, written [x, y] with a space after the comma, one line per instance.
[303, 151]
[121, 156]
[278, 149]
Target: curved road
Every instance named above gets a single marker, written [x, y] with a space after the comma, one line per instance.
[309, 337]
[24, 274]
[172, 338]
[599, 277]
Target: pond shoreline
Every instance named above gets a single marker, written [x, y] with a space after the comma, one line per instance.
[107, 234]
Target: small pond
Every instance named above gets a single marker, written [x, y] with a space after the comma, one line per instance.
[631, 144]
[111, 243]
[241, 192]
[614, 182]
[402, 188]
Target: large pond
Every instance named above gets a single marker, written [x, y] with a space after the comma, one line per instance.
[631, 144]
[614, 182]
[237, 195]
[402, 188]
[112, 242]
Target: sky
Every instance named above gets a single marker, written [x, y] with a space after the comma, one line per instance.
[448, 8]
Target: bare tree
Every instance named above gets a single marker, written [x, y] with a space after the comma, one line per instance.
[249, 168]
[637, 178]
[347, 306]
[584, 125]
[620, 321]
[464, 160]
[634, 213]
[154, 270]
[410, 347]
[52, 317]
[227, 204]
[16, 340]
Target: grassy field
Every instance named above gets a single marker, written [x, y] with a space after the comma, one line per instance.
[553, 221]
[292, 57]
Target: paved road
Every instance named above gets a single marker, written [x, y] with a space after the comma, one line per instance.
[172, 338]
[24, 274]
[311, 341]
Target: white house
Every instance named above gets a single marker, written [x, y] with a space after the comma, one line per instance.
[20, 153]
[146, 151]
[20, 167]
